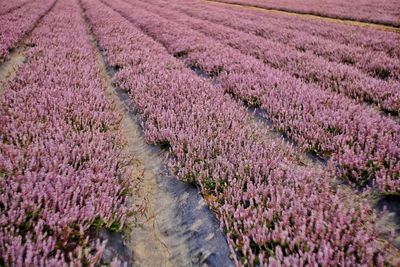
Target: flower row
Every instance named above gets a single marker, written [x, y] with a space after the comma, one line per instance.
[17, 24]
[378, 62]
[363, 144]
[9, 6]
[62, 167]
[382, 12]
[273, 211]
[310, 68]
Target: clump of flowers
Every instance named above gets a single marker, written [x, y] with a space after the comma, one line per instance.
[61, 164]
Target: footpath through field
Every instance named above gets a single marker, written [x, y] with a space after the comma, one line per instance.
[175, 228]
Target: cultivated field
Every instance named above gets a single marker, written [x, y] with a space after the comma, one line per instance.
[199, 133]
[377, 11]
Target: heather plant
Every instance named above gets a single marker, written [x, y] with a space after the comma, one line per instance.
[321, 122]
[376, 63]
[61, 162]
[381, 12]
[273, 211]
[16, 24]
[8, 6]
[308, 67]
[266, 25]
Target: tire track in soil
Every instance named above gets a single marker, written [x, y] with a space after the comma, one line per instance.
[375, 26]
[17, 57]
[176, 228]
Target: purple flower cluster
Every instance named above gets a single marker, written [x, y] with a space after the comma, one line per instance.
[377, 62]
[307, 66]
[273, 211]
[8, 6]
[61, 164]
[16, 24]
[318, 120]
[375, 11]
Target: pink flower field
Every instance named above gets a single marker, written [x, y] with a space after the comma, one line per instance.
[376, 11]
[199, 133]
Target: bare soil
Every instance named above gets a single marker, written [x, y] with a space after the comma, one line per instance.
[8, 68]
[176, 227]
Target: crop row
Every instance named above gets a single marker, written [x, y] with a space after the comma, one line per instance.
[61, 164]
[379, 41]
[273, 211]
[364, 145]
[306, 66]
[375, 63]
[8, 6]
[15, 25]
[383, 12]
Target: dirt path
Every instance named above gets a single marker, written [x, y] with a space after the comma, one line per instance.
[145, 238]
[177, 228]
[8, 68]
[17, 57]
[308, 16]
